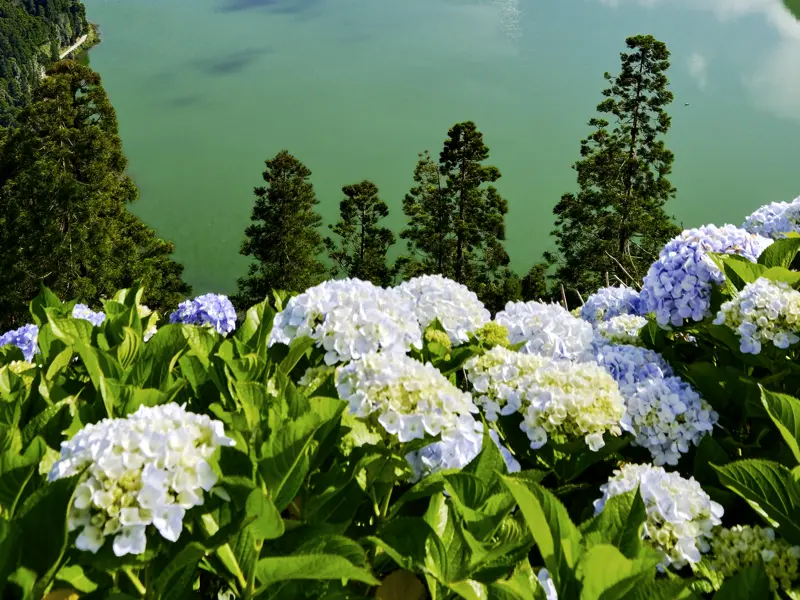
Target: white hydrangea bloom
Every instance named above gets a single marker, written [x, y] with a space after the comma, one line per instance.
[548, 330]
[667, 417]
[680, 515]
[763, 311]
[408, 400]
[457, 448]
[457, 308]
[349, 318]
[623, 329]
[140, 472]
[555, 397]
[775, 220]
[743, 546]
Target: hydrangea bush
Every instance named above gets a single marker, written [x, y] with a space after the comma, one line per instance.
[355, 441]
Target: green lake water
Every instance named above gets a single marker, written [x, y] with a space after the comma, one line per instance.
[206, 90]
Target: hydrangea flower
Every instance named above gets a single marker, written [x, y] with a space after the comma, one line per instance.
[667, 416]
[678, 285]
[763, 311]
[25, 338]
[457, 448]
[81, 311]
[632, 364]
[609, 302]
[350, 319]
[141, 472]
[208, 310]
[775, 220]
[743, 546]
[549, 587]
[405, 398]
[556, 398]
[622, 329]
[512, 464]
[680, 515]
[547, 329]
[457, 308]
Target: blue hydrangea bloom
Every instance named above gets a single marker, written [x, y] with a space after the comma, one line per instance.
[24, 338]
[209, 310]
[632, 364]
[609, 302]
[775, 220]
[81, 311]
[678, 285]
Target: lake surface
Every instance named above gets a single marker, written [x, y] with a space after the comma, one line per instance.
[206, 90]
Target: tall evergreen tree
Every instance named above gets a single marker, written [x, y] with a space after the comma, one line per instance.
[615, 225]
[456, 223]
[63, 197]
[283, 237]
[363, 243]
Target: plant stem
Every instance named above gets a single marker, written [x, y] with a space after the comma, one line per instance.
[135, 581]
[224, 552]
[385, 507]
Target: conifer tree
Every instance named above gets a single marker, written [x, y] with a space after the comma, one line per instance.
[283, 236]
[363, 243]
[613, 228]
[63, 197]
[456, 222]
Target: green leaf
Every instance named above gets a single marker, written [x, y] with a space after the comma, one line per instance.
[556, 535]
[785, 413]
[15, 473]
[782, 274]
[297, 350]
[310, 567]
[267, 523]
[488, 462]
[748, 584]
[128, 348]
[255, 330]
[40, 421]
[740, 271]
[780, 253]
[620, 524]
[607, 575]
[45, 299]
[187, 559]
[76, 578]
[335, 544]
[769, 488]
[662, 589]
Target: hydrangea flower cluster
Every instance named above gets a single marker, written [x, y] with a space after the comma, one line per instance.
[632, 364]
[622, 329]
[457, 308]
[763, 311]
[549, 587]
[25, 338]
[556, 398]
[742, 546]
[680, 515]
[208, 310]
[457, 448]
[406, 399]
[775, 220]
[667, 416]
[145, 470]
[609, 302]
[547, 329]
[678, 285]
[350, 319]
[81, 311]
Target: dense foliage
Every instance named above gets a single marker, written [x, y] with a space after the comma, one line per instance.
[64, 194]
[615, 225]
[357, 441]
[32, 33]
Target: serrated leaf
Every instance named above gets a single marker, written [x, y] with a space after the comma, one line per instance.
[310, 567]
[606, 574]
[770, 489]
[15, 473]
[784, 411]
[619, 524]
[780, 253]
[297, 350]
[749, 583]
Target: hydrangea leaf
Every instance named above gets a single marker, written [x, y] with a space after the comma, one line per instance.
[297, 349]
[266, 521]
[270, 571]
[620, 524]
[663, 589]
[171, 581]
[749, 583]
[784, 411]
[15, 473]
[781, 253]
[45, 299]
[257, 326]
[556, 536]
[606, 574]
[769, 488]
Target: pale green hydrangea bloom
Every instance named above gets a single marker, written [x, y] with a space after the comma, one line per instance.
[623, 329]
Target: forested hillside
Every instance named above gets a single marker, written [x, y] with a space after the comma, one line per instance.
[31, 35]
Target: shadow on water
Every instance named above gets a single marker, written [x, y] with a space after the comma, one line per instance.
[230, 64]
[289, 7]
[185, 101]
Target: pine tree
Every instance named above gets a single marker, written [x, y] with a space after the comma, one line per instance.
[363, 243]
[63, 197]
[456, 224]
[283, 237]
[615, 225]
